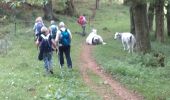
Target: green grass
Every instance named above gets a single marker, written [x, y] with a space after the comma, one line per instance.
[22, 75]
[151, 82]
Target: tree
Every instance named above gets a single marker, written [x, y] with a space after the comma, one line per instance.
[168, 17]
[159, 19]
[48, 10]
[132, 24]
[70, 8]
[47, 6]
[97, 4]
[151, 15]
[139, 9]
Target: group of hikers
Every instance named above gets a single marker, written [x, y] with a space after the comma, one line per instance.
[55, 38]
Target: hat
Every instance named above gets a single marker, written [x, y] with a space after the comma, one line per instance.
[44, 29]
[52, 22]
[61, 24]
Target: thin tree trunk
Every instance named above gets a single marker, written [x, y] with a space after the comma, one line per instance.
[48, 11]
[97, 4]
[141, 27]
[159, 18]
[151, 16]
[132, 24]
[168, 18]
[70, 9]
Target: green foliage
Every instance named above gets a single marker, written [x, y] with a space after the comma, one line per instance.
[17, 3]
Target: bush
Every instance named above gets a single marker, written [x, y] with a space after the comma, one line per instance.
[149, 60]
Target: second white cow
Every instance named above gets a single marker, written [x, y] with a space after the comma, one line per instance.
[128, 40]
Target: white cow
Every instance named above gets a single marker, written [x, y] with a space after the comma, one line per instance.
[93, 38]
[128, 40]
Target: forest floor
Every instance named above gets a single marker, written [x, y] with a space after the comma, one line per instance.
[108, 88]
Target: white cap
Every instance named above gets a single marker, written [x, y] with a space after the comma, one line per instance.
[61, 24]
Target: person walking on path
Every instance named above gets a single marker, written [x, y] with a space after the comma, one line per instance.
[45, 43]
[53, 29]
[63, 39]
[82, 22]
[37, 27]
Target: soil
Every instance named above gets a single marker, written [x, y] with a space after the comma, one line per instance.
[109, 88]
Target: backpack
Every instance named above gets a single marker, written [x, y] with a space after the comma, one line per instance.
[53, 29]
[38, 28]
[65, 38]
[46, 43]
[81, 20]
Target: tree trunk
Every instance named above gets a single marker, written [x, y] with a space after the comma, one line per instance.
[141, 27]
[125, 2]
[159, 19]
[132, 24]
[151, 16]
[97, 4]
[48, 11]
[168, 18]
[70, 8]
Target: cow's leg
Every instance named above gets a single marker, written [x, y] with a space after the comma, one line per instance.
[129, 48]
[124, 45]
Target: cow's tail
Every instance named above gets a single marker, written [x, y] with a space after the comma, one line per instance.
[131, 39]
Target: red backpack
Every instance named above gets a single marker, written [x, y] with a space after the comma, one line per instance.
[81, 20]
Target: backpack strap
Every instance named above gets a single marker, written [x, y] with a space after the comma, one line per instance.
[46, 38]
[63, 31]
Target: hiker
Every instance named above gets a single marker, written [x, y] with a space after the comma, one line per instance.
[53, 29]
[64, 39]
[45, 43]
[82, 22]
[37, 27]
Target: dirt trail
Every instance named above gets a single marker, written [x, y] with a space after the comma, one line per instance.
[109, 89]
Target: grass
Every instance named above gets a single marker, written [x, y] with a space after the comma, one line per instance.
[151, 82]
[22, 74]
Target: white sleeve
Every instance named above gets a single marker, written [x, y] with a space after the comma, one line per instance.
[57, 35]
[69, 33]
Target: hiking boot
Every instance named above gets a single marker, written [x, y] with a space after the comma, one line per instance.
[51, 71]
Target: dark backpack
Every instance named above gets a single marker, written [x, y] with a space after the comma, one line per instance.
[81, 20]
[65, 38]
[46, 43]
[38, 28]
[53, 30]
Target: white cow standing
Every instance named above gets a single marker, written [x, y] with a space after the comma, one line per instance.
[128, 40]
[94, 39]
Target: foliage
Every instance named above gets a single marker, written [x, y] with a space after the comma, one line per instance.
[16, 3]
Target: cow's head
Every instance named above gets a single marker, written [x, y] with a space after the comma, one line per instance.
[117, 35]
[95, 40]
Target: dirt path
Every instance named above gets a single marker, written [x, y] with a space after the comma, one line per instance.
[109, 89]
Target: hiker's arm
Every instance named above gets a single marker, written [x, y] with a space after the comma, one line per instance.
[57, 36]
[54, 44]
[37, 42]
